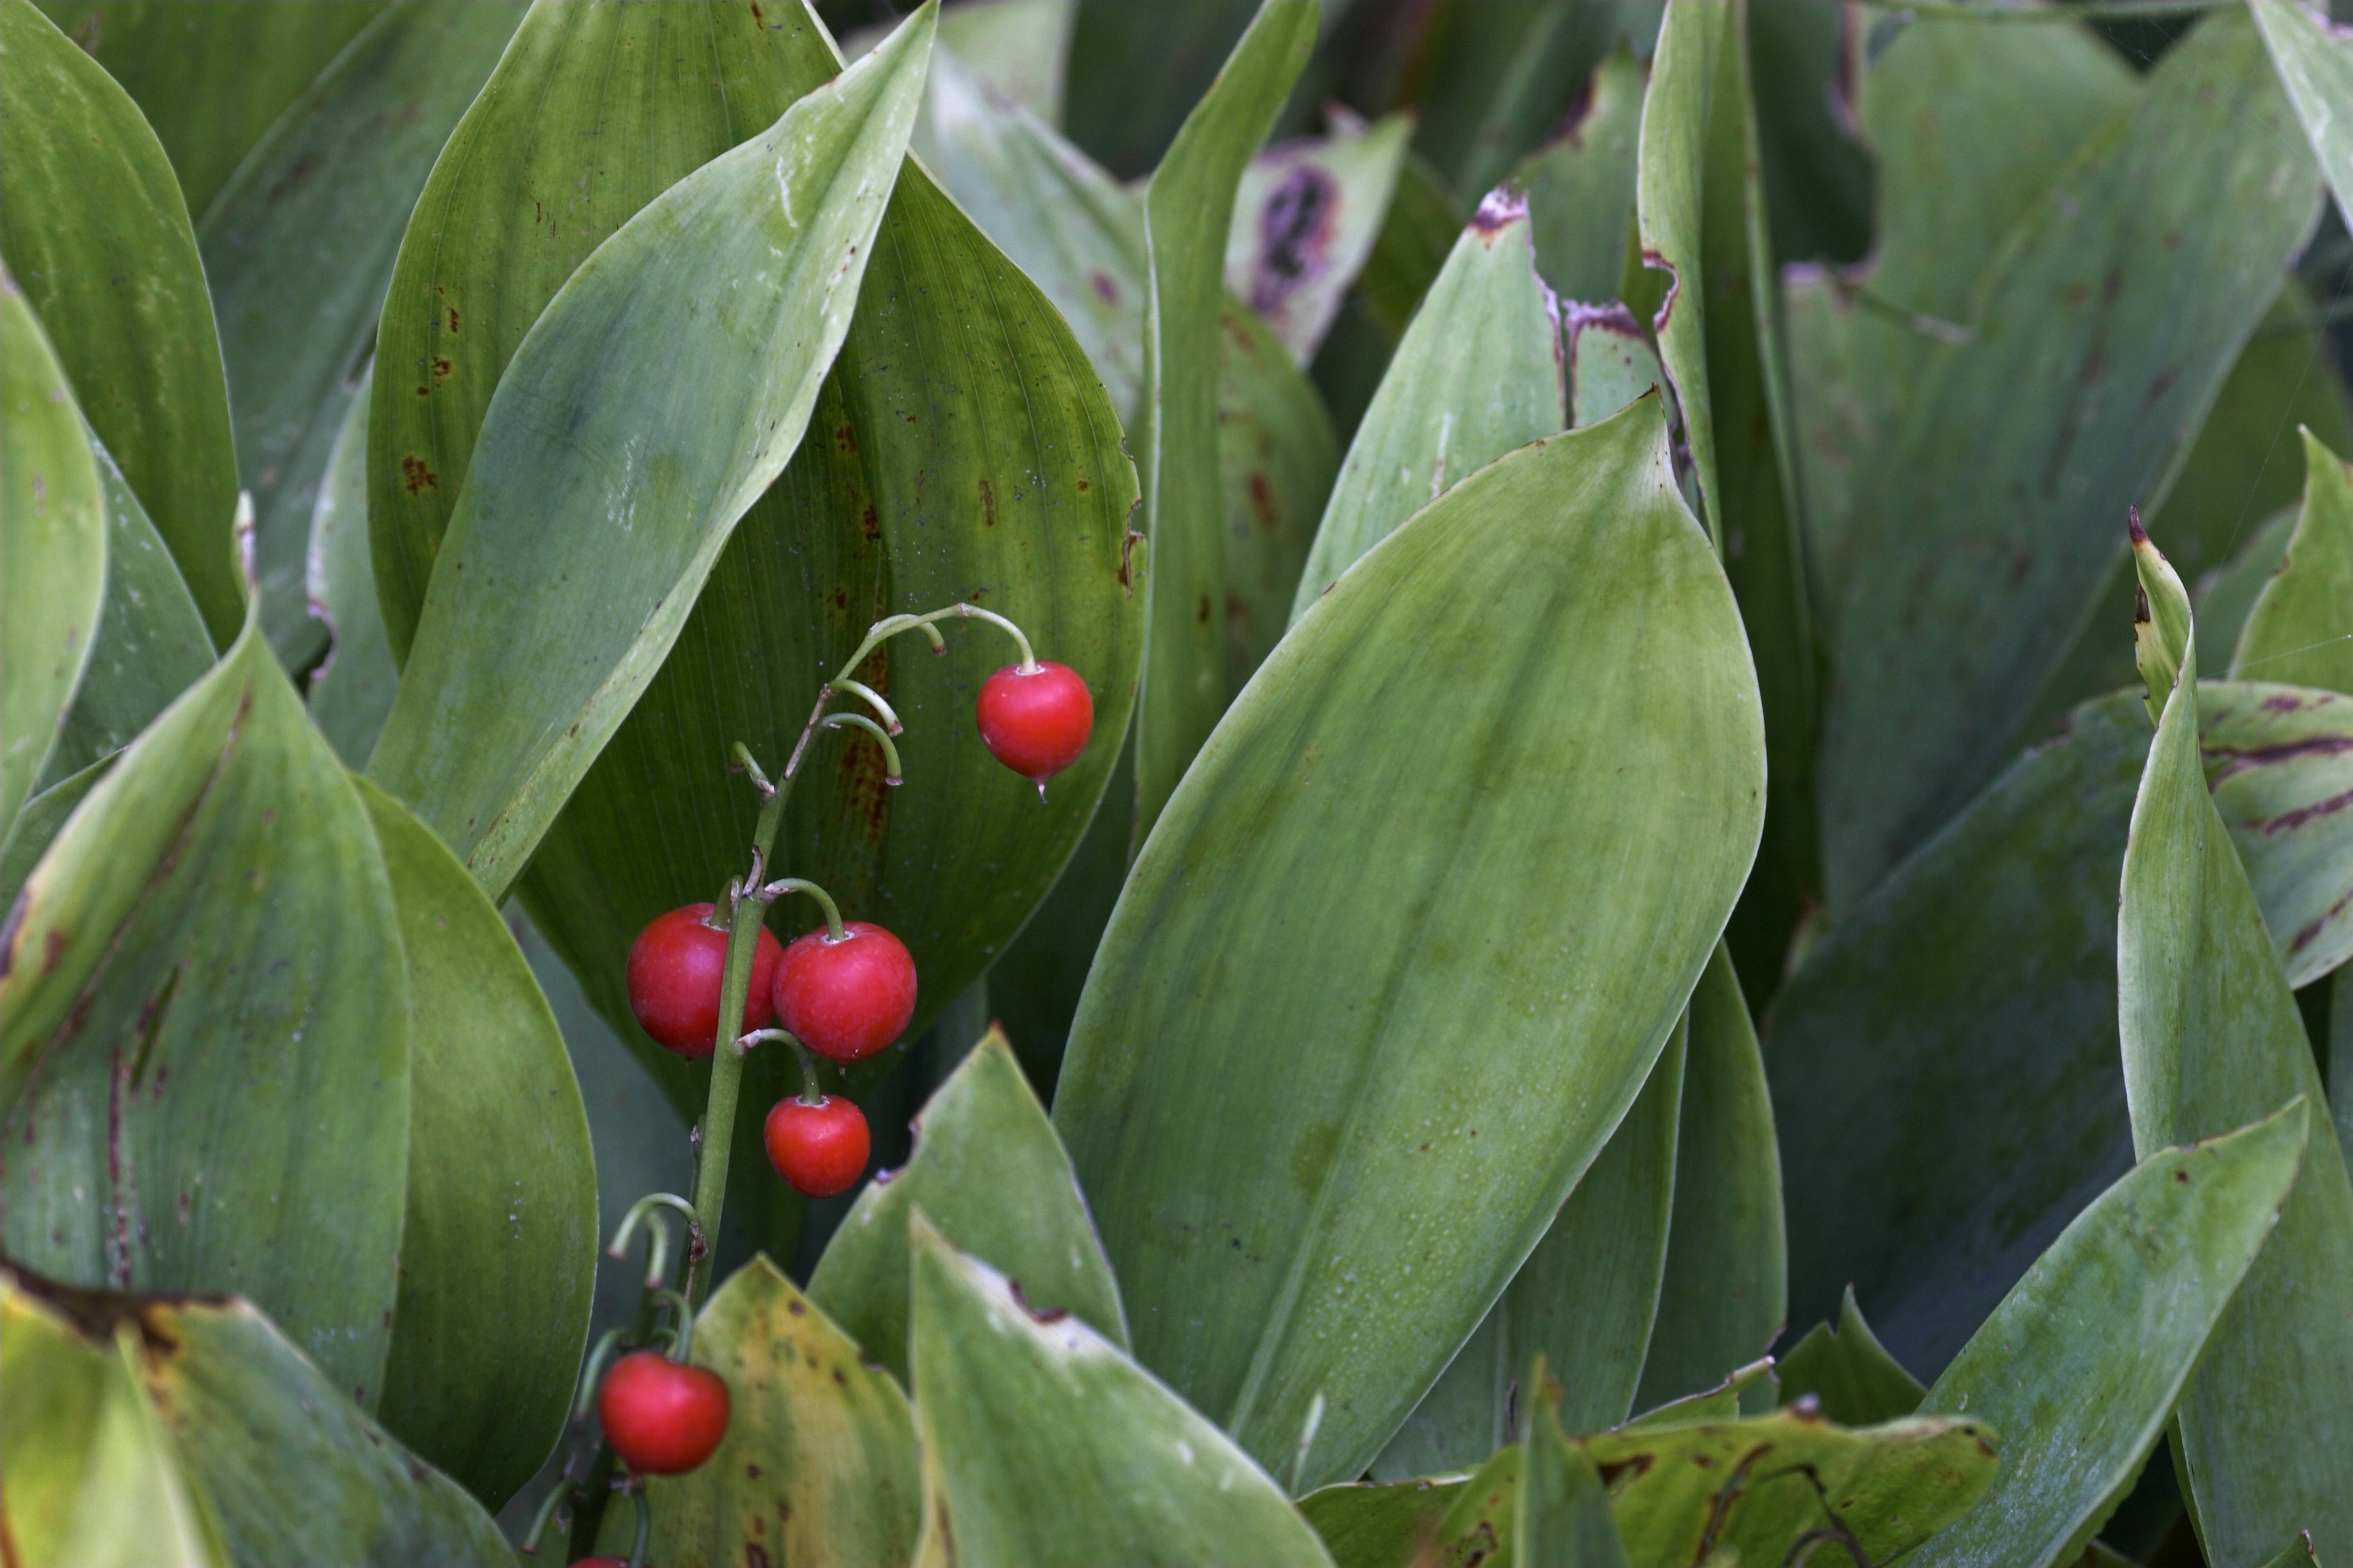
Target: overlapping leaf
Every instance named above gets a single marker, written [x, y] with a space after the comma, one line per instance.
[2300, 631]
[2080, 1365]
[299, 247]
[352, 689]
[99, 240]
[1848, 1372]
[2315, 65]
[1305, 215]
[2211, 1040]
[1043, 1444]
[990, 1176]
[1580, 186]
[679, 404]
[204, 1029]
[52, 549]
[1333, 1241]
[497, 1253]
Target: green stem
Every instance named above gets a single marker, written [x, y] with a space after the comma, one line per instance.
[783, 885]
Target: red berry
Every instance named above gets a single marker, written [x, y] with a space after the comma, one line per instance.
[849, 998]
[675, 969]
[820, 1149]
[1037, 722]
[662, 1418]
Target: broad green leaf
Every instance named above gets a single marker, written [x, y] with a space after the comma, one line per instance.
[2279, 763]
[1846, 1370]
[2315, 61]
[1019, 48]
[204, 1026]
[1134, 73]
[1429, 714]
[1043, 1444]
[1416, 237]
[1563, 1508]
[1743, 1388]
[151, 644]
[1580, 186]
[529, 653]
[1757, 1489]
[990, 1175]
[299, 248]
[1187, 212]
[1481, 1513]
[2297, 1553]
[2300, 632]
[1610, 358]
[1724, 1299]
[1477, 374]
[818, 1464]
[99, 240]
[29, 836]
[1305, 215]
[294, 1473]
[2226, 596]
[52, 549]
[1969, 1004]
[1970, 126]
[1277, 459]
[2211, 1040]
[1584, 1300]
[351, 691]
[91, 1478]
[484, 253]
[498, 1254]
[212, 78]
[1684, 102]
[2093, 340]
[2080, 1365]
[1369, 1525]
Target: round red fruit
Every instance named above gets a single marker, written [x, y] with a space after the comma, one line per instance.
[849, 998]
[662, 1418]
[1036, 722]
[820, 1148]
[675, 969]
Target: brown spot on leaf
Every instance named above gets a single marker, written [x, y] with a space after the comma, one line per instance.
[1105, 289]
[441, 368]
[453, 318]
[1201, 611]
[417, 476]
[987, 505]
[845, 438]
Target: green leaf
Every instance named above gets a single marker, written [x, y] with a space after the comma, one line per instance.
[1684, 98]
[1277, 458]
[990, 1175]
[2080, 1365]
[2279, 763]
[91, 1478]
[527, 656]
[2297, 632]
[1584, 1300]
[52, 549]
[2212, 1039]
[2315, 62]
[1580, 186]
[1135, 73]
[151, 644]
[1477, 374]
[212, 78]
[351, 691]
[1043, 1444]
[1429, 713]
[1724, 1296]
[1848, 1373]
[2160, 625]
[293, 1472]
[1610, 360]
[204, 1025]
[1019, 48]
[2094, 339]
[1306, 214]
[1744, 1386]
[29, 835]
[1969, 1004]
[98, 241]
[2226, 595]
[1563, 1508]
[498, 1254]
[1187, 212]
[818, 1464]
[1365, 1525]
[306, 233]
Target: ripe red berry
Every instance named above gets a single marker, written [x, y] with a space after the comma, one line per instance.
[849, 998]
[1036, 723]
[675, 969]
[819, 1148]
[662, 1418]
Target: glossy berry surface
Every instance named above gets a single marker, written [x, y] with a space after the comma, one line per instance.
[662, 1418]
[820, 1149]
[849, 998]
[675, 969]
[1037, 724]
